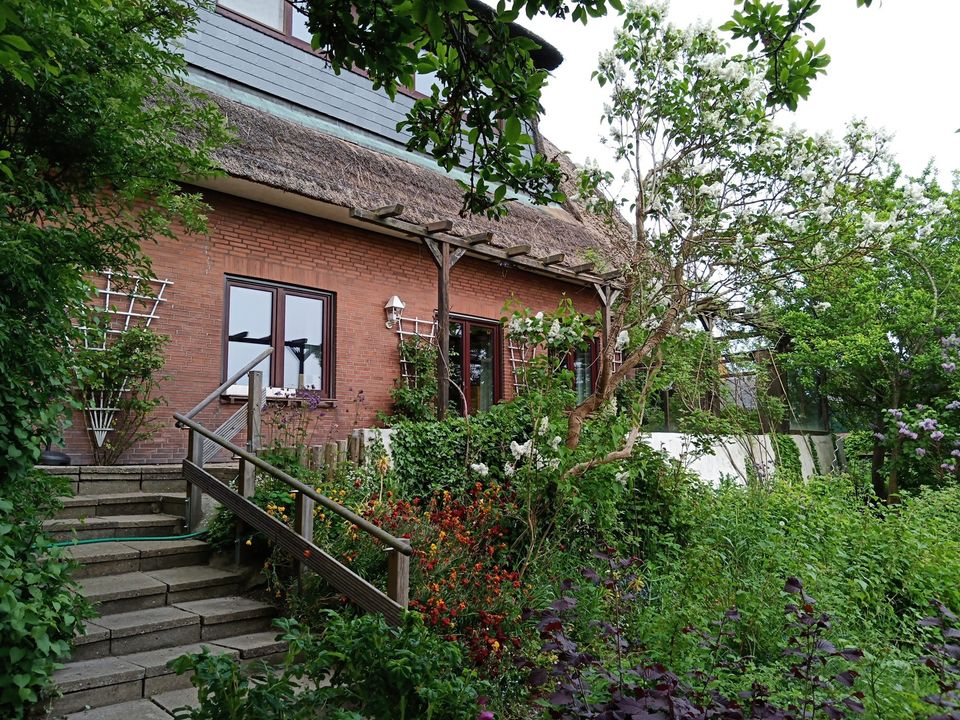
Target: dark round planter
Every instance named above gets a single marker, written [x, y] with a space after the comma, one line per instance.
[54, 457]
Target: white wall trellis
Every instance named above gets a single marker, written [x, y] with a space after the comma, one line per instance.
[410, 328]
[127, 301]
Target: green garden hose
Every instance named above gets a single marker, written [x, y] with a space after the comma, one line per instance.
[188, 536]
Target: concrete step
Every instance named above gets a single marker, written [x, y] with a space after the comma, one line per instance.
[140, 590]
[197, 582]
[149, 629]
[123, 593]
[229, 616]
[135, 710]
[114, 526]
[128, 503]
[121, 682]
[121, 556]
[177, 699]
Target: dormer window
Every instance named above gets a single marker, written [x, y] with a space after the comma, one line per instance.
[276, 15]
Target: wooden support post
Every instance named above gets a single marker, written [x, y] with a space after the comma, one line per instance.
[353, 448]
[398, 577]
[361, 446]
[330, 459]
[443, 339]
[194, 493]
[608, 296]
[316, 457]
[341, 451]
[254, 410]
[303, 525]
[247, 480]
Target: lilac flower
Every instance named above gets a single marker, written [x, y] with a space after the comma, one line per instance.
[907, 432]
[948, 467]
[898, 414]
[485, 715]
[921, 452]
[949, 366]
[936, 436]
[880, 436]
[955, 453]
[955, 405]
[928, 424]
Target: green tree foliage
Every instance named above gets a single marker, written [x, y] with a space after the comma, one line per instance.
[93, 114]
[483, 109]
[792, 61]
[871, 334]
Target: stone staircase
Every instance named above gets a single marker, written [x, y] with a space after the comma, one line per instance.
[157, 600]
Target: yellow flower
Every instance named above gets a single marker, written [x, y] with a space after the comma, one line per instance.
[249, 542]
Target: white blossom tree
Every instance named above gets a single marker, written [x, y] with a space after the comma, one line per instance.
[727, 207]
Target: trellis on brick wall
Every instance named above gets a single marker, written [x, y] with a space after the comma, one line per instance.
[409, 329]
[521, 354]
[122, 302]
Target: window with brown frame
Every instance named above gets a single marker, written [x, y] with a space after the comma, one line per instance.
[296, 322]
[276, 17]
[476, 366]
[582, 362]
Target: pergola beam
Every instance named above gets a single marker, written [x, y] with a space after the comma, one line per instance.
[552, 259]
[582, 268]
[484, 251]
[438, 226]
[517, 250]
[388, 211]
[483, 238]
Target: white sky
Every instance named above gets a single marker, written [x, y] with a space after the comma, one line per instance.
[894, 64]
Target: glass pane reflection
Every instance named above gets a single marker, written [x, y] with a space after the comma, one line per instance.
[250, 331]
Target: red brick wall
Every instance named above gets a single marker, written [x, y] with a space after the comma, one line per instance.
[363, 268]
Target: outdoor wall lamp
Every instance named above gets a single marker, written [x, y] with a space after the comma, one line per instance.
[394, 310]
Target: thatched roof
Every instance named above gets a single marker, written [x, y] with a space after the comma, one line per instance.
[284, 154]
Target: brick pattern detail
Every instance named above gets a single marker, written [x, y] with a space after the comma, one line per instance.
[361, 267]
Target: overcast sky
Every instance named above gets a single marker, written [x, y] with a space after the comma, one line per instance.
[894, 64]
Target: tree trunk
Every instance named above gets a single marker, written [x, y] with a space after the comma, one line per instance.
[876, 470]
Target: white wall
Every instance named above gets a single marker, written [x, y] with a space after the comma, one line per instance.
[729, 457]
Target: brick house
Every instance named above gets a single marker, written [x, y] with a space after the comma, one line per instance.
[298, 258]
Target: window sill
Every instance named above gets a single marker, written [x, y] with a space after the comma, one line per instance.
[274, 396]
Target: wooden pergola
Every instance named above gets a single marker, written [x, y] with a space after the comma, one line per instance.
[447, 250]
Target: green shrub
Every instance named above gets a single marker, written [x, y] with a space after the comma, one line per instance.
[435, 455]
[358, 669]
[873, 569]
[40, 608]
[128, 369]
[415, 397]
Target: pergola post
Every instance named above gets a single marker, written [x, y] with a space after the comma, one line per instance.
[444, 260]
[608, 296]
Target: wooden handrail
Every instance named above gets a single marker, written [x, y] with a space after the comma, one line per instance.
[226, 384]
[391, 604]
[382, 535]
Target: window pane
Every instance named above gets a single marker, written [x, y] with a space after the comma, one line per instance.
[303, 342]
[299, 28]
[268, 12]
[482, 357]
[250, 331]
[455, 361]
[583, 373]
